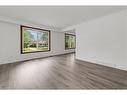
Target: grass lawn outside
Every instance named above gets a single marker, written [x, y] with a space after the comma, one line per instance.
[25, 50]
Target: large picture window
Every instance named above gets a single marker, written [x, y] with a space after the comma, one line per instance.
[34, 40]
[70, 41]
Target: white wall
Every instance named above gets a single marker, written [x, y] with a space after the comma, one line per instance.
[126, 36]
[10, 44]
[103, 40]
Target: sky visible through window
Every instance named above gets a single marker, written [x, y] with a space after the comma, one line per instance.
[35, 35]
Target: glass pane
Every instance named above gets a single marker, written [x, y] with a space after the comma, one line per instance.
[30, 39]
[73, 42]
[66, 41]
[43, 41]
[70, 41]
[35, 40]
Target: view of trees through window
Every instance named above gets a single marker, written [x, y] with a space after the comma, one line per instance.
[34, 40]
[70, 41]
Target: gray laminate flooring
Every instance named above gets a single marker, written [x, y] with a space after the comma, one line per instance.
[60, 72]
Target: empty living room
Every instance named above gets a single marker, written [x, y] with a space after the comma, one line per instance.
[63, 47]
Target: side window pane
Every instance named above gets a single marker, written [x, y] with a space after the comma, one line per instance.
[70, 41]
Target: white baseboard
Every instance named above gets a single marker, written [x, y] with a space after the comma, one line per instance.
[103, 63]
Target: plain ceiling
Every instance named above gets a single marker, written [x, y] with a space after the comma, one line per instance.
[57, 16]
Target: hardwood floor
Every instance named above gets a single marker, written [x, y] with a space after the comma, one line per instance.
[60, 72]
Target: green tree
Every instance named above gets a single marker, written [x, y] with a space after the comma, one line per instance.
[67, 41]
[27, 38]
[44, 37]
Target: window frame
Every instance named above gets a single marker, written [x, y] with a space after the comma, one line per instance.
[21, 31]
[65, 40]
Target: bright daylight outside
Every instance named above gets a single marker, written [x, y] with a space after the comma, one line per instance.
[70, 41]
[34, 40]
